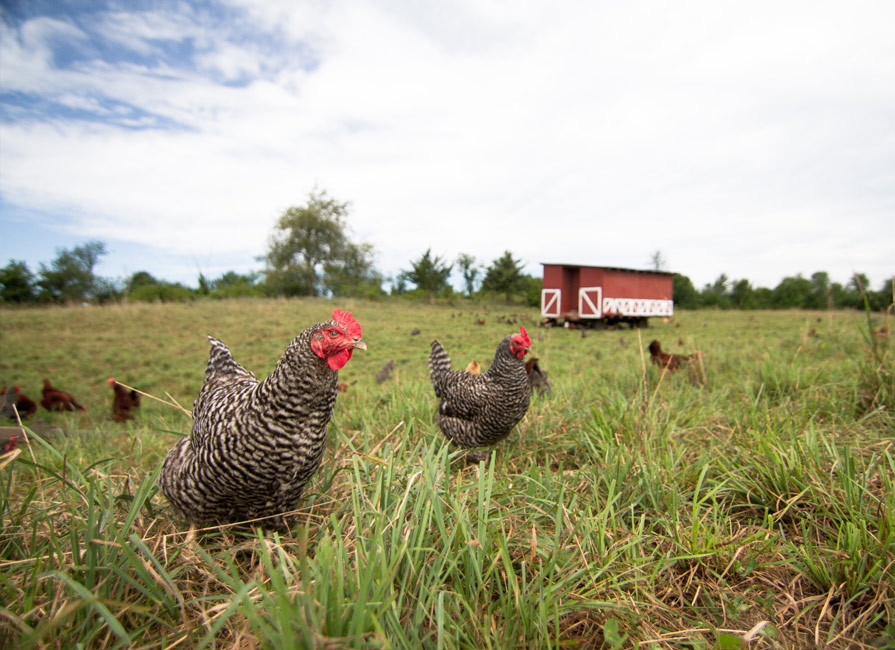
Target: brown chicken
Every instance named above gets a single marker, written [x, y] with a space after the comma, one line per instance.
[58, 400]
[10, 443]
[23, 404]
[123, 402]
[537, 378]
[667, 361]
[385, 372]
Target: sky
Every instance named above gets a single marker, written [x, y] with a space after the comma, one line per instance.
[751, 139]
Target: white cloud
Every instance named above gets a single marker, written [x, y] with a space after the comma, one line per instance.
[754, 140]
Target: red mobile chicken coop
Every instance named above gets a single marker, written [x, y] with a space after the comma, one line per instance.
[596, 296]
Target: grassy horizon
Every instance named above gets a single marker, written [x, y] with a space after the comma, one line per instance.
[746, 502]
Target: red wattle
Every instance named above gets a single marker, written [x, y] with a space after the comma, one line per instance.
[339, 359]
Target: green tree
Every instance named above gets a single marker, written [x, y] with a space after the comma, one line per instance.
[793, 292]
[234, 285]
[428, 273]
[885, 297]
[17, 283]
[353, 273]
[310, 253]
[470, 270]
[70, 277]
[821, 292]
[504, 276]
[685, 294]
[763, 298]
[856, 289]
[140, 279]
[741, 294]
[162, 292]
[531, 290]
[716, 294]
[204, 286]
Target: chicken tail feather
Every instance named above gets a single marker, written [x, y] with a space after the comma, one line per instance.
[221, 361]
[439, 362]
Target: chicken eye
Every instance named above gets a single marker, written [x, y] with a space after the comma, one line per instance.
[333, 333]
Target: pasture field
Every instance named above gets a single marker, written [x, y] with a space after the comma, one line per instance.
[748, 502]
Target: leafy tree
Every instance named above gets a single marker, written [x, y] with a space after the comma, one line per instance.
[715, 294]
[162, 292]
[741, 294]
[504, 276]
[531, 290]
[310, 253]
[428, 273]
[839, 294]
[204, 286]
[470, 270]
[399, 284]
[821, 292]
[16, 283]
[763, 298]
[887, 291]
[140, 279]
[234, 285]
[685, 294]
[859, 282]
[792, 292]
[70, 277]
[353, 273]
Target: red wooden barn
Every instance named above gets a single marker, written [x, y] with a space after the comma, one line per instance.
[604, 295]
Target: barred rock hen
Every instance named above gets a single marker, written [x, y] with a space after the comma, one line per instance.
[254, 444]
[124, 401]
[668, 361]
[54, 399]
[480, 410]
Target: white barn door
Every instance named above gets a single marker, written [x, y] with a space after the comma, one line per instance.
[590, 302]
[550, 302]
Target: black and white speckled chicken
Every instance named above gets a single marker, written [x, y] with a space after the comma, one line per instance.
[255, 444]
[480, 410]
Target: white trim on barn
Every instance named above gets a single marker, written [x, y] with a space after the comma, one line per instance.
[637, 307]
[553, 302]
[589, 301]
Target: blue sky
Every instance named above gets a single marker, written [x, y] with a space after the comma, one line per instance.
[753, 139]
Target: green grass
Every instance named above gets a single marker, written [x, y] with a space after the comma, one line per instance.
[753, 492]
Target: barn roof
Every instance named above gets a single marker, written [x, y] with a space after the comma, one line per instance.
[611, 268]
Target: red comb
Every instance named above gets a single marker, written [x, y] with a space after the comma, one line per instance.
[525, 340]
[111, 381]
[348, 323]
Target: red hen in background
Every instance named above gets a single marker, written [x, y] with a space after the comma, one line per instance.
[123, 402]
[58, 400]
[668, 361]
[23, 404]
[10, 444]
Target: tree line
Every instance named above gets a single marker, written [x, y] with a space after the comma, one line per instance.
[793, 292]
[311, 253]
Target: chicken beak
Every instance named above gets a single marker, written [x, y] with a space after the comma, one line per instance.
[359, 344]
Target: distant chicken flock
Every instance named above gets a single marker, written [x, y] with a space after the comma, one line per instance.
[255, 444]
